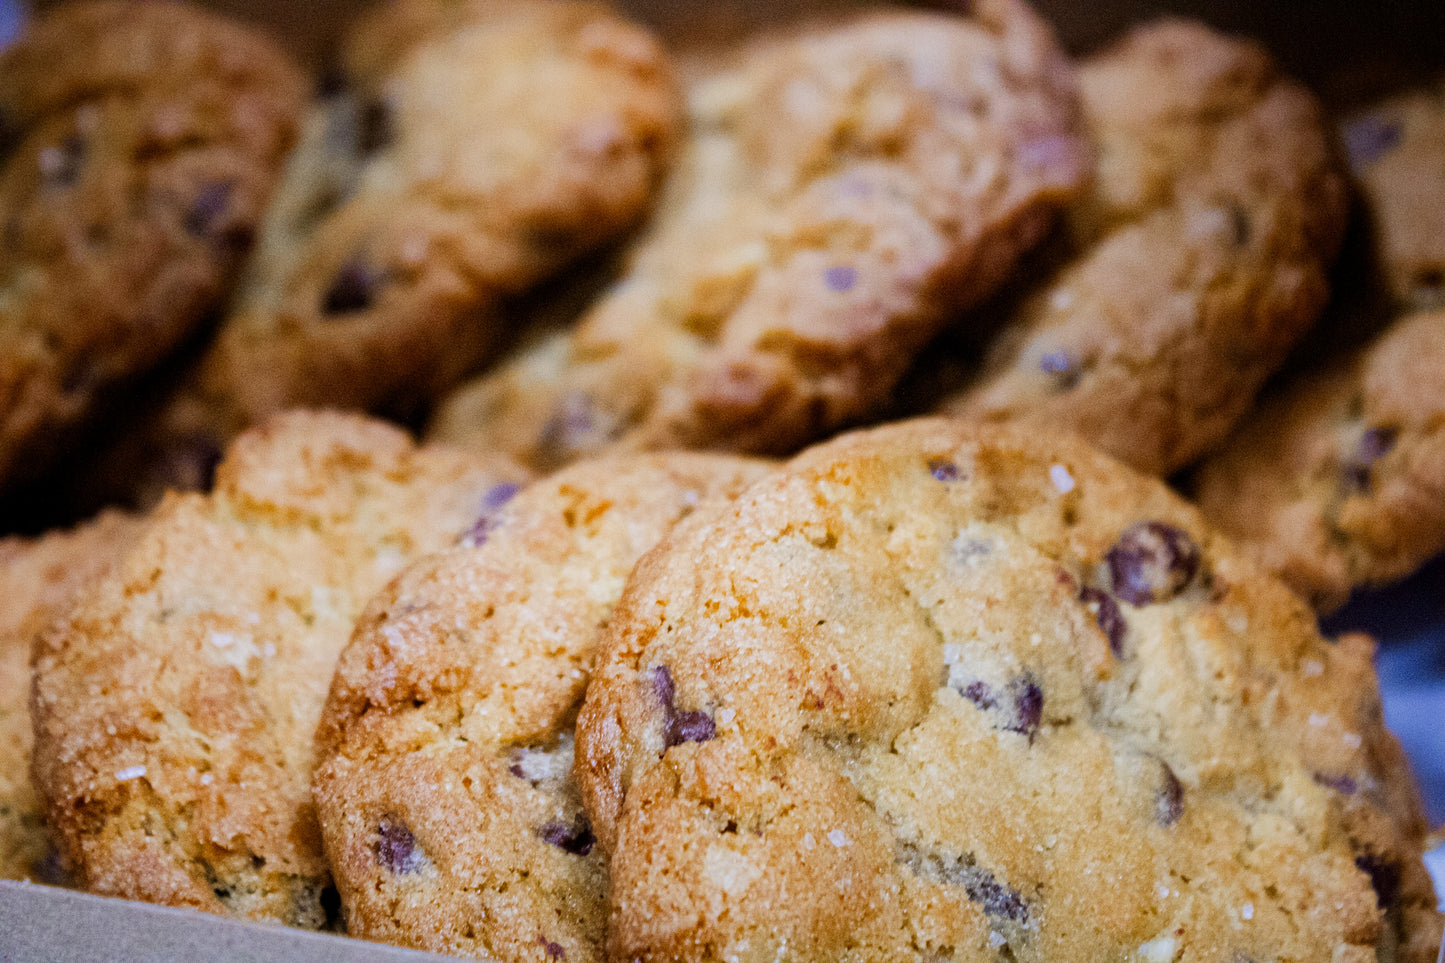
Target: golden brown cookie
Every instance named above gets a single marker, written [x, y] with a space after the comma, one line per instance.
[1198, 260]
[175, 706]
[951, 691]
[39, 578]
[444, 786]
[1397, 150]
[1338, 480]
[846, 192]
[467, 151]
[140, 143]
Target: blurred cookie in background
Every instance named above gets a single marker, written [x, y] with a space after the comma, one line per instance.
[141, 143]
[846, 191]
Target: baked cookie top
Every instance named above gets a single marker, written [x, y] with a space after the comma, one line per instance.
[971, 693]
[39, 577]
[466, 151]
[1198, 259]
[1338, 480]
[846, 191]
[1395, 149]
[445, 786]
[140, 143]
[175, 706]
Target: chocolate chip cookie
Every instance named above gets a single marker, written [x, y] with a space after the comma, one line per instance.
[847, 191]
[39, 578]
[1395, 150]
[445, 785]
[466, 151]
[140, 143]
[1338, 480]
[175, 706]
[1199, 259]
[951, 691]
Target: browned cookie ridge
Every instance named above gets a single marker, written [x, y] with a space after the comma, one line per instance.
[1338, 480]
[1198, 260]
[140, 143]
[39, 579]
[175, 706]
[468, 150]
[444, 787]
[845, 193]
[972, 693]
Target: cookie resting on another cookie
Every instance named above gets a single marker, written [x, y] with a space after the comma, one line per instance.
[444, 783]
[1200, 256]
[973, 693]
[469, 150]
[175, 707]
[844, 194]
[1338, 480]
[140, 143]
[39, 578]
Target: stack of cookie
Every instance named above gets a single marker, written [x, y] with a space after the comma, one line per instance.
[588, 675]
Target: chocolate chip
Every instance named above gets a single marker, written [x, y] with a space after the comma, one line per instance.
[570, 428]
[1152, 562]
[944, 471]
[1107, 614]
[982, 886]
[331, 82]
[979, 693]
[11, 134]
[554, 951]
[576, 838]
[679, 727]
[1028, 704]
[1370, 138]
[60, 166]
[840, 278]
[188, 463]
[995, 898]
[375, 129]
[354, 288]
[495, 498]
[1168, 798]
[396, 847]
[1239, 224]
[1063, 367]
[207, 210]
[1340, 784]
[1374, 444]
[1384, 876]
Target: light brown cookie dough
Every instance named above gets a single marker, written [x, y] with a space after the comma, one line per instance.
[445, 788]
[972, 693]
[470, 150]
[1199, 258]
[1397, 150]
[1338, 480]
[846, 192]
[39, 577]
[175, 706]
[138, 145]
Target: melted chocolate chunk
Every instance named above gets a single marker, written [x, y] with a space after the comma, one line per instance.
[944, 471]
[679, 727]
[1340, 784]
[189, 463]
[840, 278]
[1063, 367]
[1168, 798]
[576, 838]
[208, 210]
[995, 898]
[979, 693]
[1152, 562]
[482, 528]
[354, 287]
[1106, 612]
[554, 951]
[396, 847]
[1028, 704]
[1384, 876]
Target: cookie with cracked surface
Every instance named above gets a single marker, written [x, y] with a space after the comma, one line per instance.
[1338, 480]
[445, 785]
[469, 150]
[140, 143]
[1200, 257]
[39, 578]
[1396, 150]
[1009, 700]
[175, 707]
[845, 193]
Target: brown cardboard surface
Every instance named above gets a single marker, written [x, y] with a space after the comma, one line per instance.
[40, 924]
